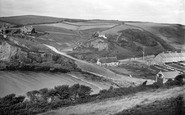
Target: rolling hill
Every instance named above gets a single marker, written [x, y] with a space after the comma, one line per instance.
[60, 51]
[124, 39]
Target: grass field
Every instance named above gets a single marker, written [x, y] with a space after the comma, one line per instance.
[30, 19]
[171, 33]
[114, 30]
[20, 82]
[81, 26]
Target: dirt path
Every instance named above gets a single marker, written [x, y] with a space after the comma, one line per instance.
[115, 105]
[52, 32]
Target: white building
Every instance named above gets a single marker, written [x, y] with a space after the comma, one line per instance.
[108, 61]
[169, 57]
[27, 29]
[103, 36]
[162, 77]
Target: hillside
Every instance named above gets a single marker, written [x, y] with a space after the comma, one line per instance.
[122, 104]
[16, 55]
[124, 39]
[92, 39]
[30, 19]
[43, 52]
[130, 40]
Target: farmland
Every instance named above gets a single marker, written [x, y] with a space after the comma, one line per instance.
[44, 52]
[80, 26]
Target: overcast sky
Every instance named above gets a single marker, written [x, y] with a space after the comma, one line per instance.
[165, 11]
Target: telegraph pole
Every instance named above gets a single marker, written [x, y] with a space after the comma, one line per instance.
[143, 52]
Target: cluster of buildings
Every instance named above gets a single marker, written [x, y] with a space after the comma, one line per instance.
[101, 35]
[27, 29]
[8, 29]
[151, 60]
[108, 61]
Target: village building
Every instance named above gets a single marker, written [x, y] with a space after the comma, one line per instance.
[3, 29]
[163, 77]
[103, 36]
[27, 29]
[169, 57]
[108, 61]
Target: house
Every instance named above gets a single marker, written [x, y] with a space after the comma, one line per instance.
[108, 61]
[162, 77]
[27, 29]
[103, 36]
[3, 29]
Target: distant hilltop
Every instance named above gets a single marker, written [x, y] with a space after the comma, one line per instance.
[93, 39]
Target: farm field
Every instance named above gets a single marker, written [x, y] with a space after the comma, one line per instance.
[20, 82]
[80, 26]
[62, 51]
[30, 19]
[172, 34]
[115, 30]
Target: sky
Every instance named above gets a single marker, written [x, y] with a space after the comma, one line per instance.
[161, 11]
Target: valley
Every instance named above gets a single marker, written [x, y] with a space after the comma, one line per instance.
[105, 57]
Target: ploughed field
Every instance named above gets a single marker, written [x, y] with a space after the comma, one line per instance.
[20, 82]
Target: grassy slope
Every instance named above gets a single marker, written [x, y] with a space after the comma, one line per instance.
[173, 34]
[64, 37]
[167, 37]
[70, 26]
[30, 19]
[115, 105]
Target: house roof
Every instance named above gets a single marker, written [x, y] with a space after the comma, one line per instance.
[170, 74]
[108, 60]
[172, 55]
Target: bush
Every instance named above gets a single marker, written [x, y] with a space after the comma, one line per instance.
[11, 105]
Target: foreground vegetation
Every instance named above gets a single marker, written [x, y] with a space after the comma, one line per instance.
[38, 101]
[171, 106]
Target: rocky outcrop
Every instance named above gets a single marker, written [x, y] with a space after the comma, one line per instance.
[14, 58]
[7, 51]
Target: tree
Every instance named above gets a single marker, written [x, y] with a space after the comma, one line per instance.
[179, 79]
[74, 91]
[19, 99]
[44, 93]
[8, 99]
[33, 95]
[62, 91]
[84, 91]
[51, 94]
